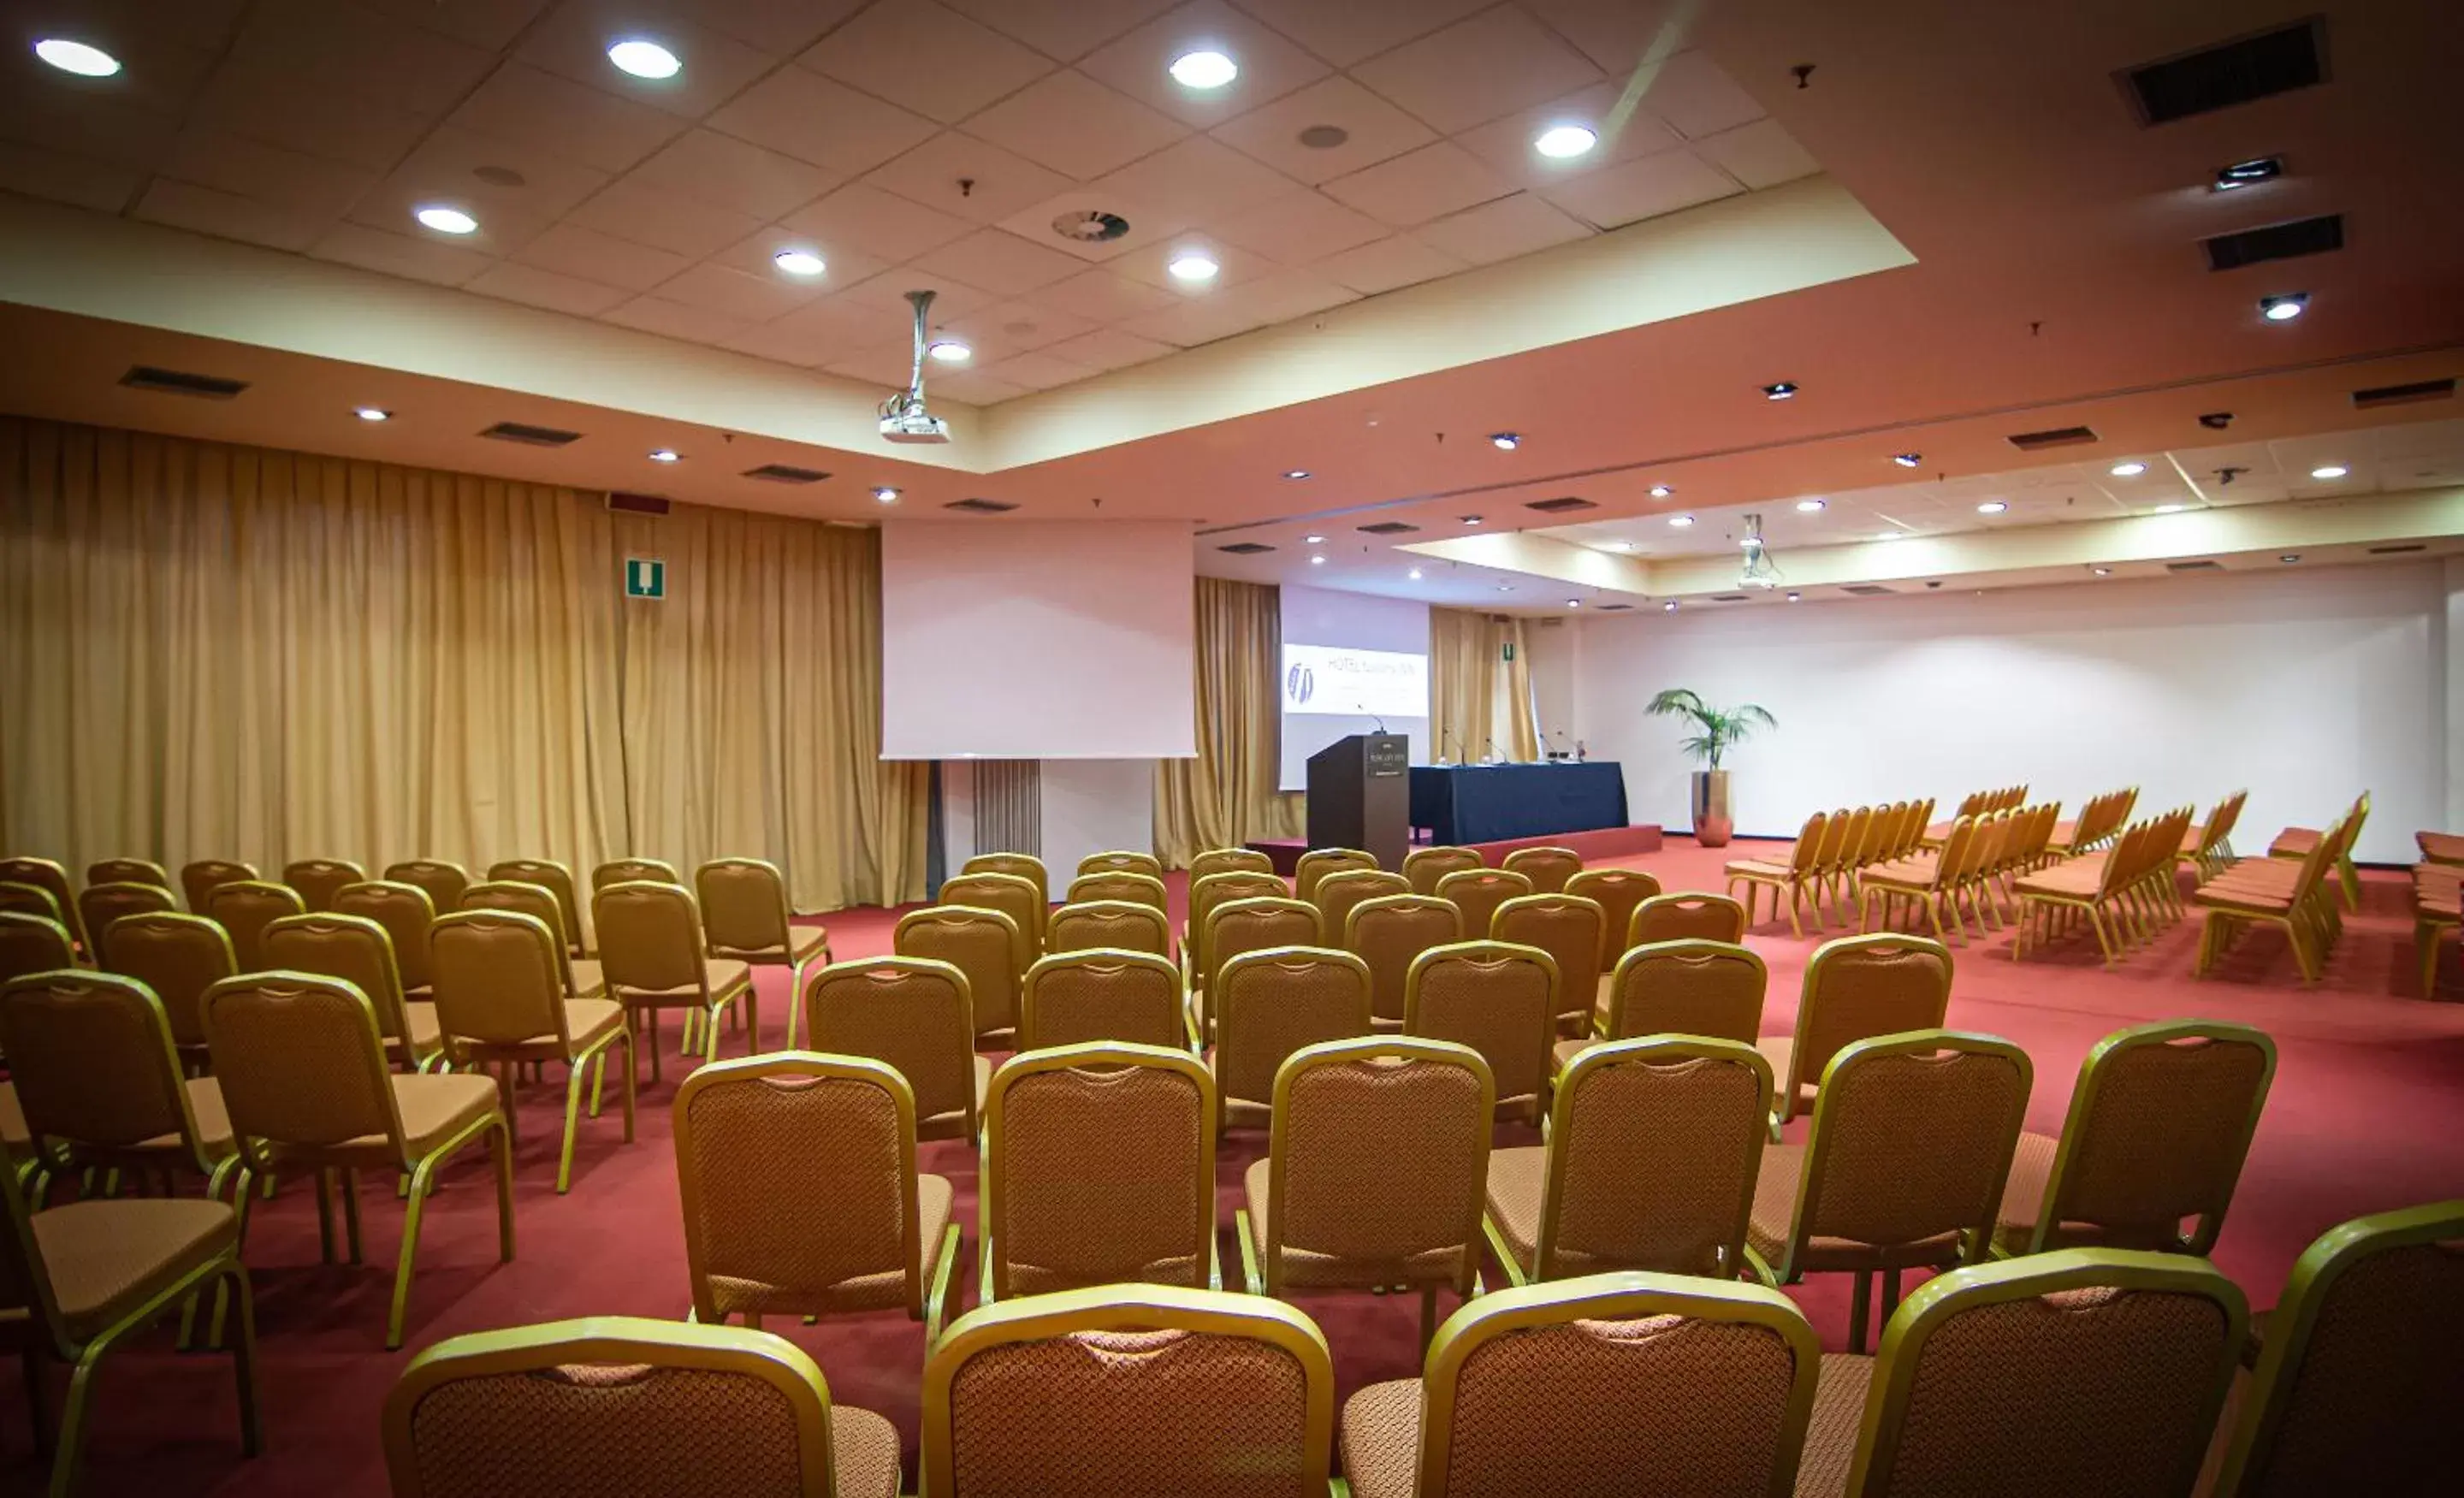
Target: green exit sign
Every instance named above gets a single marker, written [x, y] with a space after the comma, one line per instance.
[645, 577]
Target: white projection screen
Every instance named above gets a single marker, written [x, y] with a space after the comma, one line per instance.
[1037, 640]
[1350, 660]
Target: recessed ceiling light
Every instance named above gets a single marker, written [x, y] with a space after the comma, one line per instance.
[2128, 469]
[1680, 522]
[2329, 471]
[373, 414]
[1317, 561]
[1565, 140]
[1907, 459]
[2250, 173]
[1471, 519]
[2102, 572]
[886, 494]
[644, 60]
[663, 454]
[1312, 540]
[1203, 70]
[2171, 509]
[447, 220]
[1661, 491]
[2290, 556]
[800, 262]
[1193, 265]
[76, 57]
[1887, 536]
[1671, 605]
[1779, 391]
[2284, 308]
[950, 351]
[1505, 441]
[1992, 507]
[1793, 597]
[1621, 545]
[1414, 573]
[1296, 472]
[1811, 506]
[1506, 587]
[1574, 602]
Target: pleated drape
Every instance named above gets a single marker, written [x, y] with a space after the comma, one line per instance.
[1480, 703]
[1226, 795]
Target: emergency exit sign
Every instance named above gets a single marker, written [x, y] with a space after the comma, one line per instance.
[645, 577]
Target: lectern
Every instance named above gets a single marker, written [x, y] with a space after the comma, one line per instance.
[1360, 795]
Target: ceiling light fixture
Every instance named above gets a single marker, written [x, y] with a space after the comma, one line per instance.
[1506, 587]
[2290, 557]
[1203, 70]
[2128, 469]
[1779, 391]
[1993, 507]
[644, 60]
[1662, 490]
[886, 494]
[76, 57]
[1505, 441]
[373, 414]
[1574, 602]
[1907, 459]
[1811, 506]
[2250, 173]
[2329, 471]
[1887, 536]
[2171, 509]
[1414, 573]
[1193, 266]
[1793, 597]
[800, 262]
[1296, 472]
[1671, 605]
[1565, 140]
[663, 454]
[1317, 561]
[950, 351]
[1680, 522]
[1312, 540]
[447, 220]
[2102, 572]
[2284, 308]
[1471, 519]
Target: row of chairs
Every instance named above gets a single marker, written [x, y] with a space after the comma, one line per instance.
[2296, 896]
[1825, 860]
[1977, 860]
[1977, 803]
[2125, 892]
[2437, 900]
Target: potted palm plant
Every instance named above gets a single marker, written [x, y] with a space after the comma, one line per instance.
[1718, 731]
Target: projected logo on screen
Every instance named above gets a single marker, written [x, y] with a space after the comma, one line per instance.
[1328, 679]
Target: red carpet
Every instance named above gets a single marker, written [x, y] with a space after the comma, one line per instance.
[2367, 1096]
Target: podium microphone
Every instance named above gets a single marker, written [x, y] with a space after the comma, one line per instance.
[1371, 717]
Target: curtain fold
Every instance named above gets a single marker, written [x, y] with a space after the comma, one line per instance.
[1481, 704]
[1226, 795]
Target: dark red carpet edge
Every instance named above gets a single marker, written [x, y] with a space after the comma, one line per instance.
[2364, 1116]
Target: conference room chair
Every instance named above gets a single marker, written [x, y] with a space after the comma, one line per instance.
[1855, 850]
[1022, 866]
[1376, 1172]
[2263, 893]
[911, 1014]
[984, 944]
[2437, 911]
[319, 879]
[304, 1074]
[1651, 1157]
[1118, 884]
[1098, 1169]
[1338, 892]
[2357, 1385]
[2209, 848]
[1854, 988]
[1903, 1168]
[2159, 1125]
[30, 943]
[1478, 892]
[801, 1196]
[99, 905]
[1498, 998]
[1123, 925]
[744, 916]
[1688, 987]
[1252, 925]
[1570, 929]
[653, 956]
[627, 1407]
[408, 913]
[1319, 862]
[47, 876]
[199, 880]
[1596, 1385]
[1973, 876]
[1389, 933]
[2098, 820]
[128, 870]
[2088, 1371]
[1424, 867]
[2296, 843]
[353, 948]
[1219, 888]
[500, 1002]
[634, 871]
[244, 908]
[580, 977]
[2096, 887]
[1103, 994]
[79, 1281]
[1131, 1389]
[442, 880]
[1014, 895]
[32, 899]
[1547, 868]
[558, 881]
[1924, 882]
[1681, 914]
[177, 956]
[1794, 874]
[1616, 891]
[1269, 1004]
[1122, 861]
[1978, 804]
[1229, 860]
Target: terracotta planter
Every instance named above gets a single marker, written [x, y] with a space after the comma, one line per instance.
[1713, 823]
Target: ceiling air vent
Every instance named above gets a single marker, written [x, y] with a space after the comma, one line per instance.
[2405, 394]
[2276, 242]
[2398, 550]
[1563, 504]
[1864, 590]
[1245, 548]
[2232, 73]
[785, 473]
[637, 504]
[2058, 438]
[175, 382]
[974, 506]
[1613, 608]
[1727, 598]
[536, 437]
[1387, 528]
[2203, 565]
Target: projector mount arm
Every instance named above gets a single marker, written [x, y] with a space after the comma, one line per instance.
[910, 401]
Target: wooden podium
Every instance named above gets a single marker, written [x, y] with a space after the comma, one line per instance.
[1360, 795]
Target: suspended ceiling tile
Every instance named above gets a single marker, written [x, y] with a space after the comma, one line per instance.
[1038, 371]
[1760, 155]
[574, 38]
[1645, 189]
[675, 320]
[534, 287]
[718, 169]
[822, 120]
[1151, 265]
[1108, 348]
[1139, 64]
[1506, 143]
[1103, 296]
[955, 172]
[711, 287]
[1198, 177]
[490, 25]
[323, 122]
[1502, 230]
[783, 345]
[649, 216]
[1696, 97]
[1090, 205]
[999, 261]
[1298, 228]
[779, 28]
[1435, 180]
[1346, 32]
[1069, 122]
[383, 62]
[1616, 35]
[1387, 264]
[862, 219]
[1371, 129]
[398, 255]
[925, 58]
[208, 211]
[267, 173]
[454, 166]
[1494, 63]
[538, 111]
[572, 250]
[757, 256]
[63, 178]
[975, 387]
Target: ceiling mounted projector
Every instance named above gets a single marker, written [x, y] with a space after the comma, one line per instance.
[903, 416]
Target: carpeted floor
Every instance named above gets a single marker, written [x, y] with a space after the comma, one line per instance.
[2364, 1115]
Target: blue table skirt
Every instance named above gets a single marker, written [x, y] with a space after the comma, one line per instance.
[1493, 803]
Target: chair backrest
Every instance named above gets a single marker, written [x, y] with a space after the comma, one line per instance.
[1686, 912]
[1379, 1164]
[198, 880]
[333, 944]
[1388, 933]
[1228, 860]
[1100, 994]
[1865, 829]
[1806, 855]
[1833, 846]
[1319, 862]
[2159, 1126]
[617, 1406]
[536, 900]
[497, 976]
[178, 956]
[1570, 929]
[911, 1012]
[1424, 867]
[649, 938]
[1478, 892]
[442, 881]
[1654, 1146]
[1212, 889]
[1124, 925]
[983, 945]
[244, 908]
[1499, 998]
[1099, 1169]
[1023, 866]
[1253, 925]
[47, 876]
[18, 898]
[1268, 1004]
[1158, 1388]
[1340, 889]
[1517, 1381]
[1549, 868]
[1122, 861]
[30, 943]
[2107, 1367]
[128, 870]
[301, 1062]
[1118, 884]
[1911, 1146]
[744, 907]
[634, 871]
[1014, 895]
[1616, 891]
[2357, 1388]
[99, 905]
[406, 911]
[557, 880]
[1862, 986]
[319, 879]
[1688, 987]
[798, 1173]
[91, 1057]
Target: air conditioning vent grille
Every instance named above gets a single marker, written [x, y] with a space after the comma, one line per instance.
[1563, 504]
[179, 382]
[535, 436]
[637, 504]
[1864, 590]
[1245, 548]
[2405, 394]
[2203, 565]
[1727, 598]
[2276, 242]
[2056, 437]
[2233, 73]
[1613, 608]
[785, 473]
[1388, 528]
[979, 506]
[2399, 550]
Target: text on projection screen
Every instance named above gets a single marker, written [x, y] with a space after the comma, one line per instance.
[1355, 683]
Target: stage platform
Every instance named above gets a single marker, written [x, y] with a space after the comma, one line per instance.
[1601, 842]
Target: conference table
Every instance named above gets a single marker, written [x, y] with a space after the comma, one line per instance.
[1494, 802]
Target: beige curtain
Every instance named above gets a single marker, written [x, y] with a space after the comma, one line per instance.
[1226, 796]
[1481, 687]
[219, 651]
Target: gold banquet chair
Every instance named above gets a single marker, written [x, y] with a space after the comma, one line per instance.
[2088, 1371]
[1685, 988]
[2296, 843]
[1319, 862]
[634, 871]
[1804, 865]
[1851, 1199]
[1549, 868]
[1121, 925]
[1614, 1383]
[128, 870]
[626, 1407]
[31, 944]
[319, 879]
[1478, 892]
[99, 905]
[1122, 861]
[1856, 988]
[1119, 884]
[1098, 1169]
[1651, 1163]
[179, 956]
[32, 899]
[1214, 889]
[1014, 895]
[1424, 867]
[2357, 1388]
[1570, 929]
[1376, 1174]
[653, 956]
[1131, 1389]
[1339, 891]
[1616, 891]
[1498, 998]
[911, 1014]
[47, 876]
[1270, 1004]
[558, 881]
[442, 880]
[1389, 933]
[1234, 927]
[332, 944]
[199, 880]
[580, 977]
[983, 945]
[2160, 1123]
[744, 915]
[1681, 914]
[801, 1196]
[406, 912]
[1022, 866]
[244, 908]
[1230, 860]
[1102, 994]
[304, 1074]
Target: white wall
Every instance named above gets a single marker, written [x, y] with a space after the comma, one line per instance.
[2305, 686]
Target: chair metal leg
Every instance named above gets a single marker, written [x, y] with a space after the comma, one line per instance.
[410, 1216]
[325, 1215]
[572, 1113]
[1890, 1295]
[1250, 1279]
[1860, 1300]
[351, 1211]
[29, 1363]
[501, 1146]
[233, 1282]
